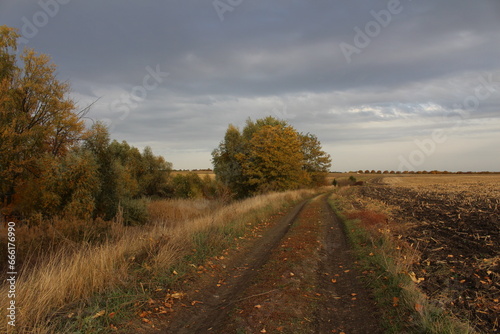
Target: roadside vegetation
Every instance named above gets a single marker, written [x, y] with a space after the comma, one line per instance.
[389, 263]
[97, 288]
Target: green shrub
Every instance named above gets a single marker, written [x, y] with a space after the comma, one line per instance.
[134, 211]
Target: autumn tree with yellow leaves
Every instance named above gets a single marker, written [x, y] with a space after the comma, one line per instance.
[38, 122]
[50, 164]
[269, 155]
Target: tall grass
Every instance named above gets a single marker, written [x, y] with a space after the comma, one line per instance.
[69, 279]
[175, 211]
[39, 237]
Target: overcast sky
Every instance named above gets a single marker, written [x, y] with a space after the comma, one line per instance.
[389, 85]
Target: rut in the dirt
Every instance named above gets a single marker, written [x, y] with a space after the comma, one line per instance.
[216, 302]
[347, 305]
[301, 276]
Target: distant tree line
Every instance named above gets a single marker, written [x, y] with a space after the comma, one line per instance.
[418, 172]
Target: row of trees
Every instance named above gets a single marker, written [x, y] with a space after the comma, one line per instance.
[49, 162]
[52, 165]
[269, 154]
[417, 172]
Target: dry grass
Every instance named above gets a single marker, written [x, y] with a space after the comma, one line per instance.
[200, 173]
[69, 279]
[41, 237]
[175, 211]
[391, 260]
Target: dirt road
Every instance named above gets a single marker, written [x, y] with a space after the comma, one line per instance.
[297, 275]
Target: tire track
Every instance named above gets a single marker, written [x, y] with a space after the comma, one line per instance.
[300, 271]
[209, 315]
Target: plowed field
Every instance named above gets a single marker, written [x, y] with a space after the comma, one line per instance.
[453, 222]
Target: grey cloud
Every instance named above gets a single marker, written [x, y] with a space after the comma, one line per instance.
[282, 59]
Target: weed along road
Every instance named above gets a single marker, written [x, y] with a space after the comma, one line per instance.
[294, 274]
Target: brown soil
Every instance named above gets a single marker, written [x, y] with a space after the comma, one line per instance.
[457, 232]
[295, 274]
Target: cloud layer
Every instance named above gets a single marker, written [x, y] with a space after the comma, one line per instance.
[411, 68]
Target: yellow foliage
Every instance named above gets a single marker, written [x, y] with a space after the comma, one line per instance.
[275, 159]
[37, 118]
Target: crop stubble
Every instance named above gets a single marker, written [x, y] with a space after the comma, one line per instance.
[453, 222]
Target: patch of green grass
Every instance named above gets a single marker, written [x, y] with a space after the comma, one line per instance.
[101, 313]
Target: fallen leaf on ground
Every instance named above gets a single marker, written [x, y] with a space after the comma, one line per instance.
[414, 277]
[177, 295]
[99, 314]
[143, 314]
